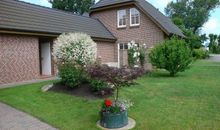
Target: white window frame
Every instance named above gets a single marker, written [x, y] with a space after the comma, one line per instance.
[138, 24]
[118, 19]
[125, 46]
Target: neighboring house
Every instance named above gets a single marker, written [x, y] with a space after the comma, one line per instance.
[27, 33]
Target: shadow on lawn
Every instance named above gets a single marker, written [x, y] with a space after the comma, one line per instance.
[163, 74]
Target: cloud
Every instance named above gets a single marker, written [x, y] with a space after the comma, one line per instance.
[211, 26]
[160, 4]
[163, 3]
[44, 3]
[39, 2]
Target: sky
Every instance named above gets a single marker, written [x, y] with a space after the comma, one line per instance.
[212, 26]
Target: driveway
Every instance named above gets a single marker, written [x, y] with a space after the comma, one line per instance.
[215, 57]
[12, 119]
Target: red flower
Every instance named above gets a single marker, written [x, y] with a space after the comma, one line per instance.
[108, 103]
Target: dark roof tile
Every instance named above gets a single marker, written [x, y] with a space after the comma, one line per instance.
[23, 16]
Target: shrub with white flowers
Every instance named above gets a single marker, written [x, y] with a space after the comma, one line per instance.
[72, 52]
[133, 54]
[74, 48]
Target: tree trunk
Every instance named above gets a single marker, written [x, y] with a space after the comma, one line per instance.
[117, 94]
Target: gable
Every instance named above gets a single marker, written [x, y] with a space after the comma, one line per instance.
[147, 32]
[162, 21]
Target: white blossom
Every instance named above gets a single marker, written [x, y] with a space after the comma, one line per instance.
[75, 47]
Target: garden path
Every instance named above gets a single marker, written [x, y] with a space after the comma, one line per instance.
[215, 57]
[12, 119]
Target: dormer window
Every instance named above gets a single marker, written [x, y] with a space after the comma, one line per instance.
[134, 17]
[121, 18]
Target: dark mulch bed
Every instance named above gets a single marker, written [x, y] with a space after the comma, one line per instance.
[83, 90]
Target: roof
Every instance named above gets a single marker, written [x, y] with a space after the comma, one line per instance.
[17, 15]
[103, 3]
[161, 20]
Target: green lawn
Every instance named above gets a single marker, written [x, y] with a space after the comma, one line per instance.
[190, 101]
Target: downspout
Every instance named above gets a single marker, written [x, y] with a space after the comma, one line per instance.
[118, 55]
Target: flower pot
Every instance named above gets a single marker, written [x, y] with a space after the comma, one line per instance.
[112, 120]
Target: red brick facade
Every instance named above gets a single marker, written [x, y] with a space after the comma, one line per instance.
[146, 33]
[19, 58]
[106, 51]
[19, 54]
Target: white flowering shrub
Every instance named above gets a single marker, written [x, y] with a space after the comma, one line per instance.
[76, 48]
[133, 53]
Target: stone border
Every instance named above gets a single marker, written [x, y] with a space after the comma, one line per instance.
[131, 125]
[46, 87]
[18, 84]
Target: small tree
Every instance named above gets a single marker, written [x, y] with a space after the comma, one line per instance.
[118, 77]
[173, 55]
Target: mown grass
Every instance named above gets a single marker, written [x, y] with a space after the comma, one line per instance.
[190, 101]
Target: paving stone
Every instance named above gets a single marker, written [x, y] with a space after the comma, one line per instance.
[131, 125]
[215, 57]
[12, 119]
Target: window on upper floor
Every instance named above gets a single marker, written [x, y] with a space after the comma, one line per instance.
[121, 18]
[134, 17]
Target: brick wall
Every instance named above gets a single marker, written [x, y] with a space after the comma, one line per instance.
[147, 33]
[106, 51]
[19, 58]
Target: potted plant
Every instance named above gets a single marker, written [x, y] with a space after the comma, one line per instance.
[114, 114]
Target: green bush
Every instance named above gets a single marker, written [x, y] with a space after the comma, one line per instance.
[173, 55]
[97, 85]
[200, 53]
[216, 49]
[71, 75]
[142, 56]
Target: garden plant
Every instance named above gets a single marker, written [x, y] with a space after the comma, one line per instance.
[72, 53]
[114, 113]
[173, 55]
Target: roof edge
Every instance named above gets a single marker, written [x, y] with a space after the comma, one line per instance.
[54, 9]
[45, 34]
[107, 29]
[111, 6]
[153, 19]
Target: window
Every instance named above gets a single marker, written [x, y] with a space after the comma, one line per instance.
[121, 18]
[123, 46]
[134, 17]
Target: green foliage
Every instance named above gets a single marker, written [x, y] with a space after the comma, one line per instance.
[200, 53]
[216, 49]
[136, 54]
[75, 6]
[131, 59]
[97, 85]
[193, 40]
[219, 39]
[157, 99]
[214, 45]
[194, 13]
[142, 56]
[133, 54]
[71, 75]
[173, 55]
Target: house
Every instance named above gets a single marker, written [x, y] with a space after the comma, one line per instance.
[27, 33]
